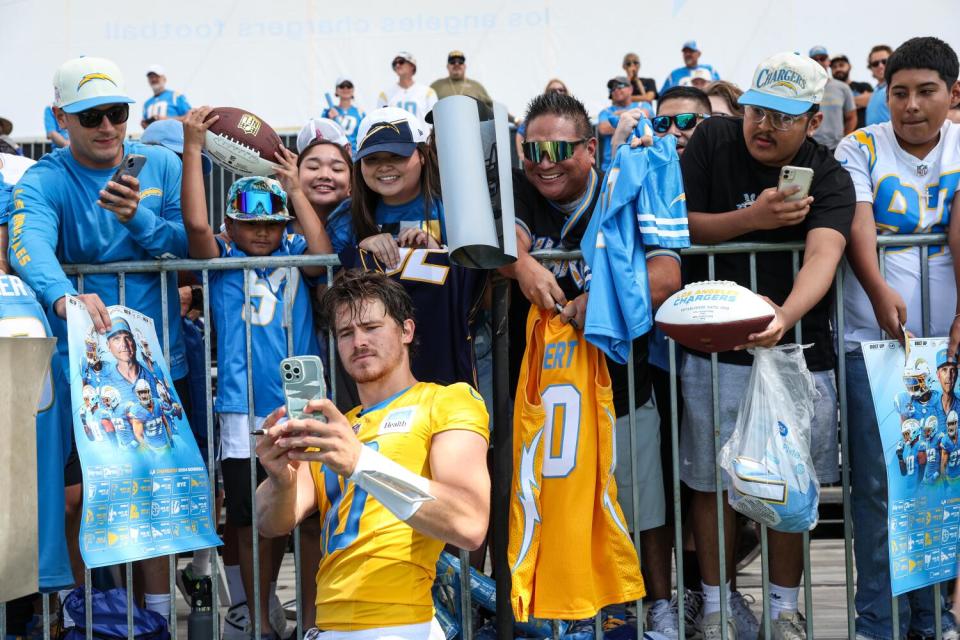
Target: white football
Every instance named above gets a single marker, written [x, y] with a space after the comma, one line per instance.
[714, 315]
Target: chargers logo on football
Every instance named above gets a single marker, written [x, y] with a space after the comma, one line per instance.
[90, 77]
[249, 124]
[397, 421]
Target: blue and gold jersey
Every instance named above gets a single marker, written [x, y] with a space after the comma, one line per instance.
[377, 571]
[445, 298]
[271, 292]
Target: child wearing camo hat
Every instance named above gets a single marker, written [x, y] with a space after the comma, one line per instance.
[257, 217]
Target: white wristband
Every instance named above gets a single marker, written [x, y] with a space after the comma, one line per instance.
[394, 486]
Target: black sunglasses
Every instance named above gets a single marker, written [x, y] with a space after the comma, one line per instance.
[684, 121]
[456, 60]
[345, 85]
[398, 61]
[877, 63]
[91, 118]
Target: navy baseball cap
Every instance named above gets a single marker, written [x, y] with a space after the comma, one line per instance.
[169, 133]
[389, 129]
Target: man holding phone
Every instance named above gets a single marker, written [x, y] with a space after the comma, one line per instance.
[67, 209]
[394, 479]
[731, 170]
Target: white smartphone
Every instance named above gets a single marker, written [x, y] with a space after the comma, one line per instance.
[796, 176]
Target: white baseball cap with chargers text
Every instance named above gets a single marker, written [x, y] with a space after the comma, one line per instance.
[87, 82]
[787, 82]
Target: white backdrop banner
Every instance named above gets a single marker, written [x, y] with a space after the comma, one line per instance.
[278, 59]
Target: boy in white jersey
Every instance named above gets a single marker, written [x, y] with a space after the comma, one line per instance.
[418, 99]
[905, 172]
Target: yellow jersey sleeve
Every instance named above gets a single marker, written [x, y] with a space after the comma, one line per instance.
[459, 406]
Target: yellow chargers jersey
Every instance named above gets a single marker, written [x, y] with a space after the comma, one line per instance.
[569, 549]
[376, 570]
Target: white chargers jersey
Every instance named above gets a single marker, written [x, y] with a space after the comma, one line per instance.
[418, 99]
[909, 196]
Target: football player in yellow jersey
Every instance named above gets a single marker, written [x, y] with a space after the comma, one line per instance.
[425, 441]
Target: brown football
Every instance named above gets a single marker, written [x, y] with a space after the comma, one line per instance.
[242, 142]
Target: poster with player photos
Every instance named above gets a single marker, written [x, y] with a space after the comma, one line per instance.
[146, 489]
[915, 398]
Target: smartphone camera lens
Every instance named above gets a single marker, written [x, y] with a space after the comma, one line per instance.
[296, 370]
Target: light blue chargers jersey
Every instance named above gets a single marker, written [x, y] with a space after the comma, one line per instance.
[21, 315]
[931, 472]
[642, 209]
[168, 104]
[56, 220]
[269, 295]
[349, 119]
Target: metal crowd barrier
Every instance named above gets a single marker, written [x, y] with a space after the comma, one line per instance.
[501, 438]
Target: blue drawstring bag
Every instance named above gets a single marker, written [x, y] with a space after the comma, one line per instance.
[110, 617]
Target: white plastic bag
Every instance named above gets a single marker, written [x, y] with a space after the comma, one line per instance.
[768, 455]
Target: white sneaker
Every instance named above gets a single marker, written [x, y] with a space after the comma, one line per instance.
[662, 618]
[692, 608]
[747, 622]
[787, 626]
[712, 630]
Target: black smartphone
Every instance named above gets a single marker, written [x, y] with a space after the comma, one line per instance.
[131, 165]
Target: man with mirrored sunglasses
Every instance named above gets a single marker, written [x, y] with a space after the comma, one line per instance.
[731, 170]
[555, 196]
[67, 210]
[679, 112]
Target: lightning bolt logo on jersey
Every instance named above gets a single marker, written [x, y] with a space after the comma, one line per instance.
[377, 571]
[563, 439]
[908, 195]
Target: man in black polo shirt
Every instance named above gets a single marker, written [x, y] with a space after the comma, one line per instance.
[730, 172]
[554, 199]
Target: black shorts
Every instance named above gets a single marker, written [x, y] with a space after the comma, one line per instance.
[236, 489]
[72, 473]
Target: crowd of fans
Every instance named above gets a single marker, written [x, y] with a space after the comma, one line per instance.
[369, 193]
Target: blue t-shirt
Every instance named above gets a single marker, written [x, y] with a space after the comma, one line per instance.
[50, 123]
[168, 104]
[269, 294]
[877, 110]
[56, 220]
[678, 74]
[349, 119]
[390, 218]
[611, 115]
[21, 315]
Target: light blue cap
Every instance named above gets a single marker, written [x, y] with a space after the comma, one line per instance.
[690, 44]
[169, 133]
